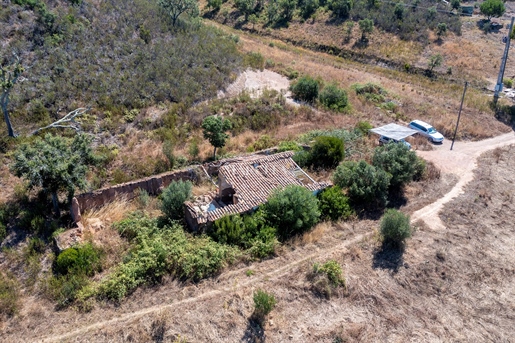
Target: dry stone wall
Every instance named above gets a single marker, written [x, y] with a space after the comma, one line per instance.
[153, 185]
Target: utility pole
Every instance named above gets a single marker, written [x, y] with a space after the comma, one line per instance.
[498, 86]
[459, 113]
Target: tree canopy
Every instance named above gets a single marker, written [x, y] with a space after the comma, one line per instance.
[177, 7]
[492, 8]
[397, 160]
[214, 129]
[55, 164]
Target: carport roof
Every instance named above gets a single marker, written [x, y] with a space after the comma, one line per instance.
[394, 131]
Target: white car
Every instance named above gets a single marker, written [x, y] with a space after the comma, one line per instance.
[426, 130]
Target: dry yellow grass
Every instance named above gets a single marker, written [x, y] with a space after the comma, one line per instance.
[110, 213]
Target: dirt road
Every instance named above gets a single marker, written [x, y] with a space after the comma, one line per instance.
[462, 161]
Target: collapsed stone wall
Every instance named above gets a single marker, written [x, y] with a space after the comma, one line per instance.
[152, 185]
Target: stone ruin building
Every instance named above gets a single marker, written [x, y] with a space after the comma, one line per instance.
[244, 184]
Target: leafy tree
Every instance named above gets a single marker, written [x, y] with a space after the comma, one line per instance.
[287, 7]
[366, 26]
[334, 205]
[177, 7]
[334, 98]
[397, 160]
[54, 164]
[395, 227]
[434, 62]
[399, 10]
[173, 198]
[292, 210]
[214, 129]
[305, 89]
[327, 152]
[308, 7]
[492, 8]
[341, 8]
[364, 183]
[441, 30]
[272, 11]
[214, 4]
[246, 7]
[455, 4]
[9, 74]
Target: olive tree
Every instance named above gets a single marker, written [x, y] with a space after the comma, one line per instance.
[364, 183]
[177, 7]
[397, 160]
[55, 164]
[492, 8]
[292, 210]
[214, 129]
[366, 26]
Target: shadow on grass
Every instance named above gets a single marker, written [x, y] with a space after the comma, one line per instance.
[254, 332]
[505, 114]
[389, 257]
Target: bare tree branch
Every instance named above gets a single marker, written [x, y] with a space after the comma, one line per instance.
[66, 122]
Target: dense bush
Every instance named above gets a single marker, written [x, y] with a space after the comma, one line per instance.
[84, 259]
[173, 198]
[334, 98]
[77, 56]
[364, 183]
[334, 205]
[397, 160]
[291, 210]
[340, 8]
[288, 146]
[248, 231]
[327, 152]
[370, 92]
[264, 303]
[395, 227]
[305, 89]
[157, 251]
[351, 139]
[363, 127]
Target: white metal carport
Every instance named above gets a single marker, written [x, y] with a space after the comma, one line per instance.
[394, 131]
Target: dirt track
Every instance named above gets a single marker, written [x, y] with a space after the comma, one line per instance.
[462, 161]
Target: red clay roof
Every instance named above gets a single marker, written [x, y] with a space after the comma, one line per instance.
[253, 180]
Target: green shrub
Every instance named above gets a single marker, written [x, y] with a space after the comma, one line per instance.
[371, 92]
[334, 98]
[327, 152]
[334, 205]
[9, 295]
[248, 232]
[173, 198]
[157, 251]
[397, 160]
[326, 278]
[264, 303]
[264, 142]
[288, 146]
[3, 232]
[332, 270]
[364, 183]
[363, 127]
[302, 158]
[81, 260]
[395, 227]
[305, 89]
[508, 82]
[292, 210]
[229, 230]
[255, 60]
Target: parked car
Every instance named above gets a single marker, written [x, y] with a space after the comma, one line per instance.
[426, 130]
[386, 140]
